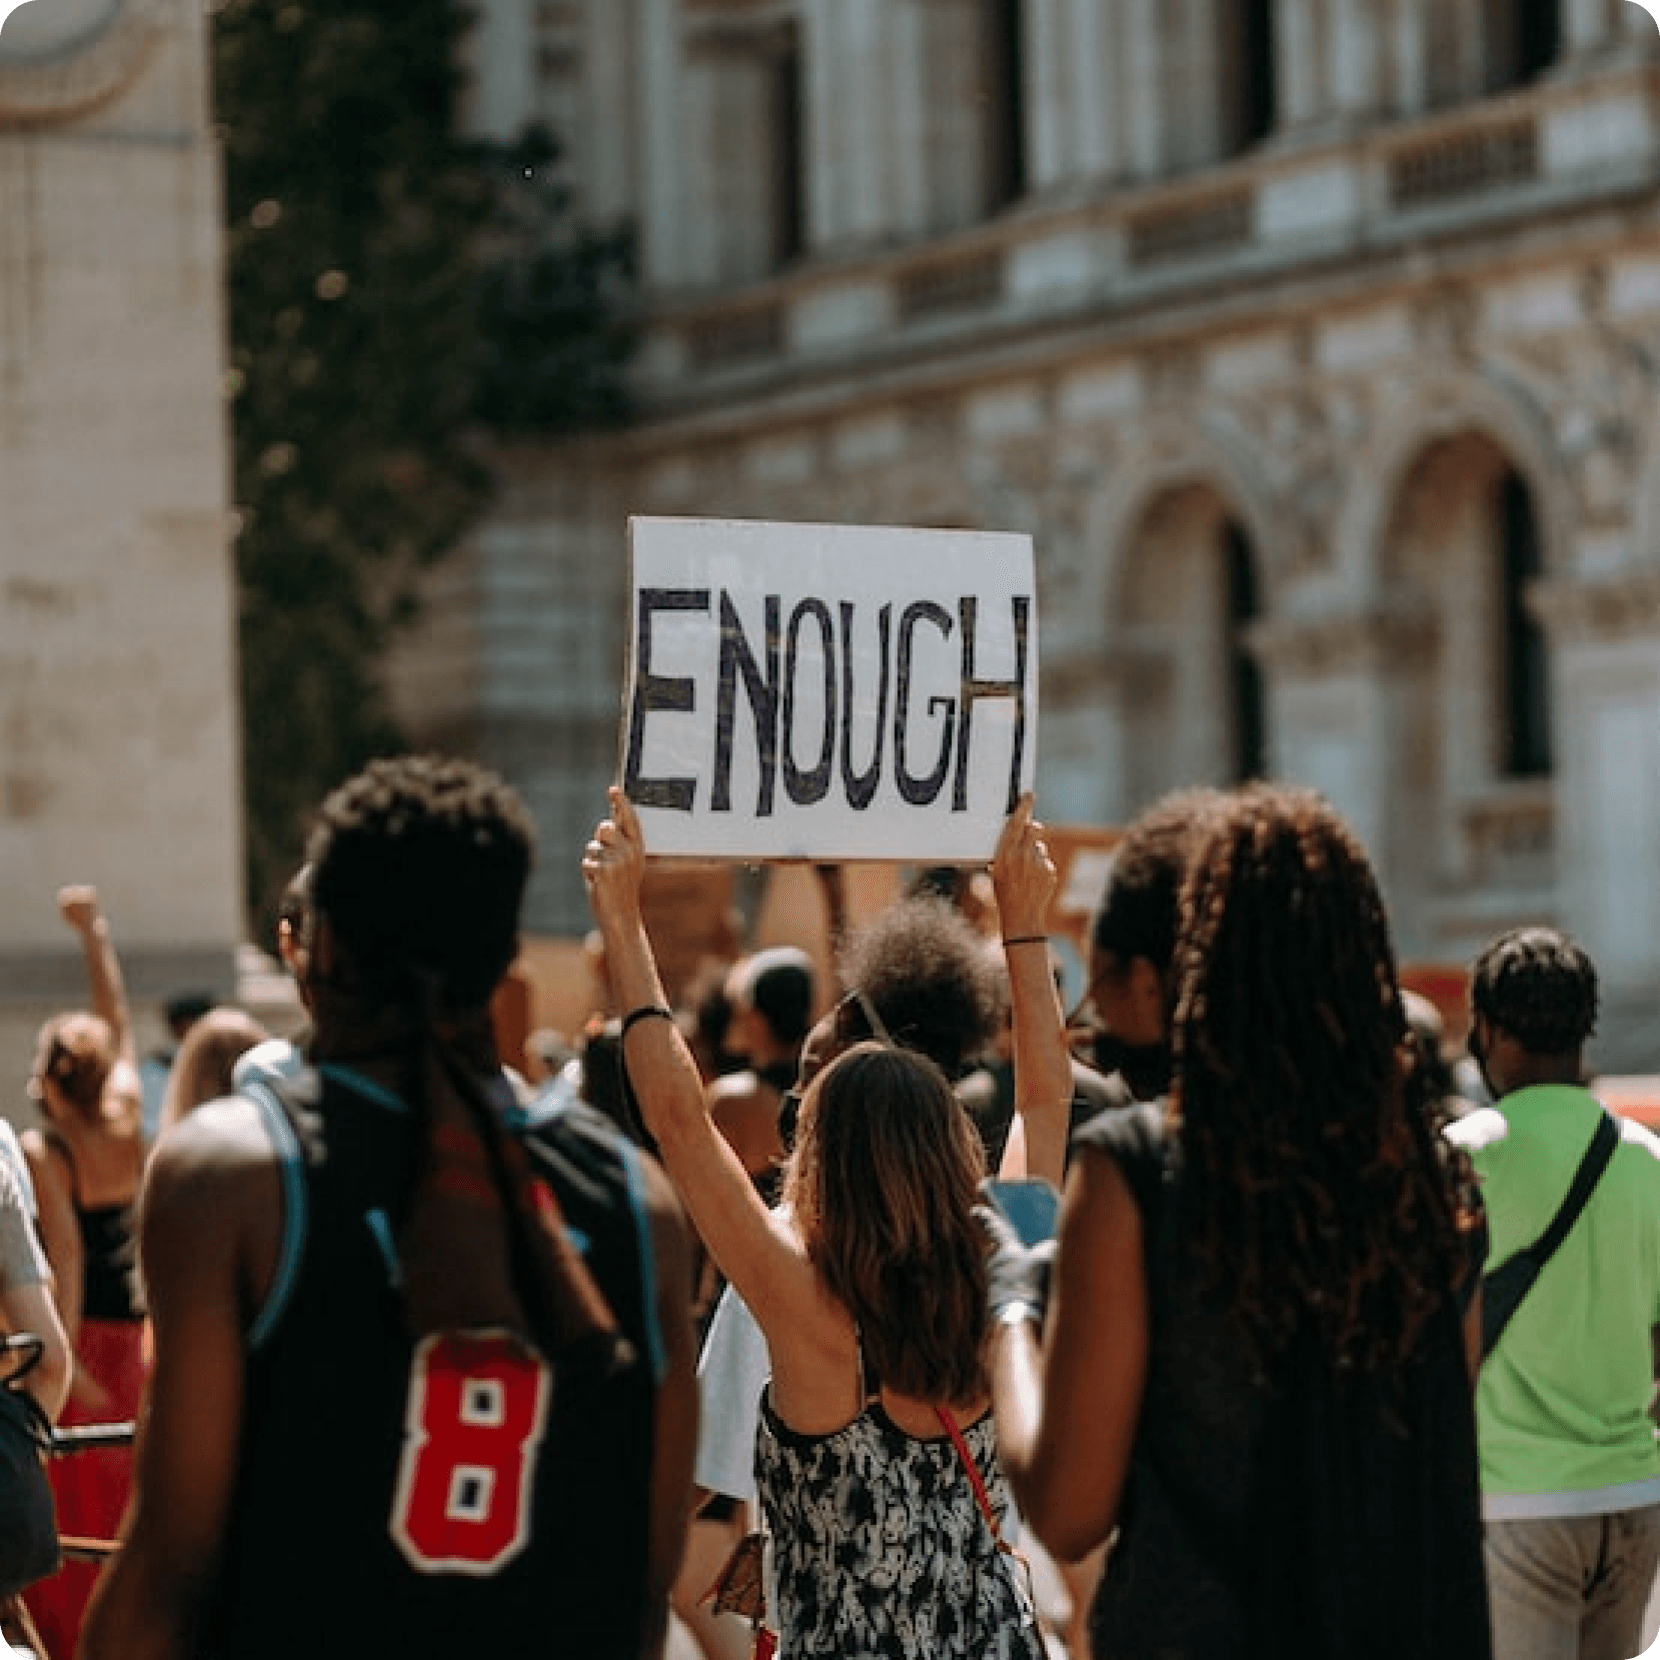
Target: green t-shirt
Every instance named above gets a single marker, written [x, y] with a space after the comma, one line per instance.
[1562, 1402]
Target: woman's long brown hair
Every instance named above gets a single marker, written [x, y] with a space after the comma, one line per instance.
[883, 1184]
[1321, 1187]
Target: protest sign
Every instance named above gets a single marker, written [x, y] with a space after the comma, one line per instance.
[826, 691]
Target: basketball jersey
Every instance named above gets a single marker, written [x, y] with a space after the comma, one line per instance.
[459, 1497]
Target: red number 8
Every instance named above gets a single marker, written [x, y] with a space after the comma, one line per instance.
[478, 1403]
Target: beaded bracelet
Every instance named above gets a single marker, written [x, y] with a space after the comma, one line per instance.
[1027, 939]
[646, 1011]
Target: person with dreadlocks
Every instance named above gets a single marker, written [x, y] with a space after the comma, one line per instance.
[1570, 1470]
[1255, 1363]
[423, 1380]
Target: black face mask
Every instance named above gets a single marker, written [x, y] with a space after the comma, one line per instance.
[1145, 1067]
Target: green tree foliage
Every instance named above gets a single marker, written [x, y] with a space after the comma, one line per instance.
[394, 294]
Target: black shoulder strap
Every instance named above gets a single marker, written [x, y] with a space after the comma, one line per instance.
[1502, 1290]
[1586, 1177]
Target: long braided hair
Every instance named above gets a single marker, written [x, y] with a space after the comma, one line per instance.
[1321, 1186]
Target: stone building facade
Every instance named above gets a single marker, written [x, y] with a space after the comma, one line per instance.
[1316, 342]
[118, 724]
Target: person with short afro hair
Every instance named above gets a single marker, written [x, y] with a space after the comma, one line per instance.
[1538, 986]
[922, 967]
[423, 1345]
[1570, 1472]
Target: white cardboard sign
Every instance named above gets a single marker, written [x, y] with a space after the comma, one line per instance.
[828, 692]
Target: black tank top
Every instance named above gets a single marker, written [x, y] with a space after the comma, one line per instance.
[109, 1288]
[339, 1442]
[1303, 1513]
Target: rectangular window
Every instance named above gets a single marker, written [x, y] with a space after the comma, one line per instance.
[788, 149]
[1003, 102]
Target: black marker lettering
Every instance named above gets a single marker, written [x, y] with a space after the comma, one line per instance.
[805, 788]
[920, 791]
[669, 693]
[762, 690]
[861, 787]
[974, 690]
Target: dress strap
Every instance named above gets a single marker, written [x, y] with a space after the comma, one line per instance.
[870, 1386]
[60, 1144]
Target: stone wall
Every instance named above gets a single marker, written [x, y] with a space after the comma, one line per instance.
[118, 724]
[1342, 445]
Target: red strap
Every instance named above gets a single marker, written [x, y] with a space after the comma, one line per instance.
[976, 1481]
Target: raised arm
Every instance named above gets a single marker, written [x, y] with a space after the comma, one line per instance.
[1024, 878]
[1067, 1412]
[758, 1252]
[79, 907]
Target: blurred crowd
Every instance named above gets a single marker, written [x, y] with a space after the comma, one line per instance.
[1160, 1323]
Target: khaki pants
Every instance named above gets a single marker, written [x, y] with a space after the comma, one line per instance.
[1571, 1587]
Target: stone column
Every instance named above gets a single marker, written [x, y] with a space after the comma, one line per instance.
[851, 93]
[1096, 60]
[1411, 81]
[908, 169]
[1144, 57]
[1331, 692]
[613, 103]
[1605, 665]
[1590, 25]
[1359, 53]
[663, 184]
[1051, 91]
[501, 47]
[863, 109]
[1300, 63]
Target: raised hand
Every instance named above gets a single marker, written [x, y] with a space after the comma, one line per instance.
[78, 905]
[1023, 875]
[613, 865]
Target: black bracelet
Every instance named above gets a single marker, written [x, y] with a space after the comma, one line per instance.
[646, 1011]
[1027, 939]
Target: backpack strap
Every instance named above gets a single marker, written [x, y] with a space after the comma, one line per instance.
[1502, 1290]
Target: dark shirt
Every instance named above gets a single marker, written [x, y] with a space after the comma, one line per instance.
[327, 1551]
[1290, 1510]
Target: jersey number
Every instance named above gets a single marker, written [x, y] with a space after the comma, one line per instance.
[478, 1403]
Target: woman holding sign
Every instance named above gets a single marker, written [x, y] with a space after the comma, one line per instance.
[875, 1459]
[1255, 1363]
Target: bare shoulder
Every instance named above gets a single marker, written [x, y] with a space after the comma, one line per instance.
[214, 1162]
[47, 1162]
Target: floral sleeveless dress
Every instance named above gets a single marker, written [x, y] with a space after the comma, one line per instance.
[880, 1551]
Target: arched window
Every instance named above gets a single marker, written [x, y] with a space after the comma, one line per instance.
[1192, 700]
[1249, 99]
[1250, 704]
[1526, 749]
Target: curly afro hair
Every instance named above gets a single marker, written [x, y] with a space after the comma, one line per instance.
[927, 974]
[420, 865]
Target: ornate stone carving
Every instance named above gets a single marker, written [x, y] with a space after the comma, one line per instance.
[1444, 321]
[1318, 647]
[1578, 609]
